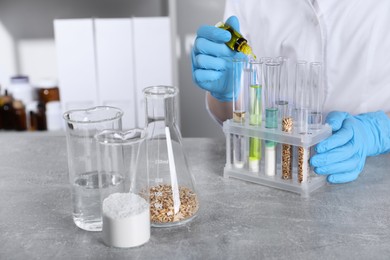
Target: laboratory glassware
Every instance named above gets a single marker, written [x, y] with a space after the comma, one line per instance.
[255, 112]
[316, 89]
[272, 74]
[125, 207]
[81, 127]
[173, 197]
[240, 84]
[283, 98]
[301, 97]
[302, 109]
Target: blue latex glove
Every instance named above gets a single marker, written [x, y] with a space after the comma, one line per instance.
[342, 156]
[212, 60]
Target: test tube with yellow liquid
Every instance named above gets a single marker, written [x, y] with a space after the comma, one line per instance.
[240, 83]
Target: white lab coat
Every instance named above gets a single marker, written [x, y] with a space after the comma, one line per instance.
[351, 38]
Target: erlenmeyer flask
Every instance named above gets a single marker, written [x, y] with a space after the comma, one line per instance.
[173, 198]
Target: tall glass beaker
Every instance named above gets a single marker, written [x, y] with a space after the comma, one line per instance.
[173, 198]
[81, 127]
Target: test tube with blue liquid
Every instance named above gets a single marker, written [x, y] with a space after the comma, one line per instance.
[240, 83]
[272, 73]
[255, 112]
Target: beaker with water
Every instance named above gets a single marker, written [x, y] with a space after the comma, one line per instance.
[81, 127]
[173, 198]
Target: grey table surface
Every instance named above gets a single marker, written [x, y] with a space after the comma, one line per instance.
[237, 219]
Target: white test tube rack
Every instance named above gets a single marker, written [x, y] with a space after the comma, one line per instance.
[294, 138]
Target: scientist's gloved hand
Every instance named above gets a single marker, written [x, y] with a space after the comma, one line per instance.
[212, 60]
[342, 156]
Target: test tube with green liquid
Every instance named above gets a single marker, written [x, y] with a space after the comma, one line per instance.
[272, 73]
[255, 112]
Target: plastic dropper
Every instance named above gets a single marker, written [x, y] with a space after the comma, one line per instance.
[237, 41]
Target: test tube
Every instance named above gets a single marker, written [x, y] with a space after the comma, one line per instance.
[316, 95]
[302, 104]
[301, 96]
[240, 82]
[255, 113]
[284, 107]
[272, 72]
[283, 90]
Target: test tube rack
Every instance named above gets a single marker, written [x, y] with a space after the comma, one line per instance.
[294, 138]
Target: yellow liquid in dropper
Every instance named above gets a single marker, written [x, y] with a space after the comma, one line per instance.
[237, 39]
[246, 49]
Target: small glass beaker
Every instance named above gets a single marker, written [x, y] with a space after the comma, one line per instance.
[173, 199]
[125, 207]
[81, 127]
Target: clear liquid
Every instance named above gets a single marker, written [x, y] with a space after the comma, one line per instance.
[239, 149]
[315, 120]
[86, 198]
[282, 108]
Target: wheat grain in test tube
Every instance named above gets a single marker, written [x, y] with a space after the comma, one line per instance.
[302, 109]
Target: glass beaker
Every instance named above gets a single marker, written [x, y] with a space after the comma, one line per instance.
[173, 198]
[125, 207]
[81, 127]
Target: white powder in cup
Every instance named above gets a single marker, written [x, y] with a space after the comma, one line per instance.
[126, 220]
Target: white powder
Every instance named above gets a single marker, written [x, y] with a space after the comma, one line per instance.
[270, 160]
[126, 220]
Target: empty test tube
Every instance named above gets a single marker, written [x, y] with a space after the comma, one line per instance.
[255, 113]
[283, 91]
[272, 71]
[316, 95]
[240, 82]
